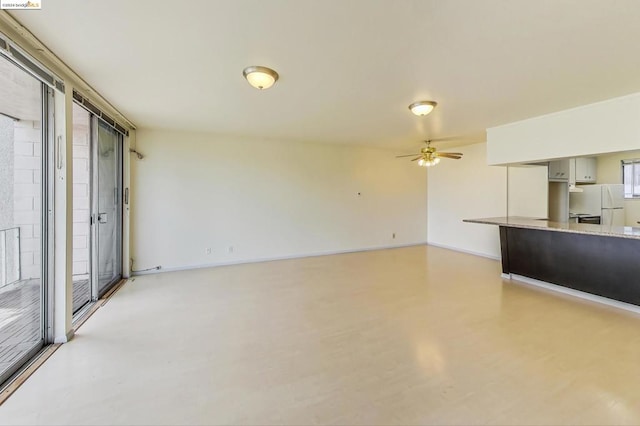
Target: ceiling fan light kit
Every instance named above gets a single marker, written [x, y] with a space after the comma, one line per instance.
[260, 77]
[428, 162]
[422, 108]
[428, 156]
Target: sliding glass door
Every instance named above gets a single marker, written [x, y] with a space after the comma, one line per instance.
[107, 198]
[24, 120]
[97, 207]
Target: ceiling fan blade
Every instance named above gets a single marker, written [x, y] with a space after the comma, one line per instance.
[417, 158]
[453, 157]
[452, 153]
[408, 155]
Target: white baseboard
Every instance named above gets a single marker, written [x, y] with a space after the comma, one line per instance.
[271, 259]
[576, 293]
[475, 253]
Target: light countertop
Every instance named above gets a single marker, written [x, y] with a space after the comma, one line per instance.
[547, 225]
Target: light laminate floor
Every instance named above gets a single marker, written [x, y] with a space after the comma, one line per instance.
[418, 335]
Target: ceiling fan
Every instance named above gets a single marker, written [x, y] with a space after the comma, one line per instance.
[428, 155]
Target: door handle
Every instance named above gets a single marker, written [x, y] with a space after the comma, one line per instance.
[102, 218]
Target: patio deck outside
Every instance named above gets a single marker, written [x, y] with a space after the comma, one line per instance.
[20, 316]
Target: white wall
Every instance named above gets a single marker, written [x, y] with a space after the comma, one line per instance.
[267, 199]
[466, 189]
[609, 126]
[528, 191]
[609, 168]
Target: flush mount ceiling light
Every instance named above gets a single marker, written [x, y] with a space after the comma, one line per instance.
[260, 77]
[422, 108]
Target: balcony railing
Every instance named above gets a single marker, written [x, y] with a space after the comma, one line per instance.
[10, 270]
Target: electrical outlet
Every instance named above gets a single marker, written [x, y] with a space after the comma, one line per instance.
[207, 250]
[230, 249]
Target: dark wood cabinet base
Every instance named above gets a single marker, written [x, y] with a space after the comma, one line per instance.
[600, 265]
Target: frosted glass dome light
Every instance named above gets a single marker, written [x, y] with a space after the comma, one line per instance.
[260, 77]
[422, 108]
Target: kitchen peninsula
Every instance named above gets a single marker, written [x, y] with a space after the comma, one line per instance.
[597, 259]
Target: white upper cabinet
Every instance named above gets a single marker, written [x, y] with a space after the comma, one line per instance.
[559, 170]
[586, 170]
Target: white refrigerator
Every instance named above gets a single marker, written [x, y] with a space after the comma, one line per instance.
[606, 201]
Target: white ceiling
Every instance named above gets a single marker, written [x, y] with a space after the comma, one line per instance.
[348, 68]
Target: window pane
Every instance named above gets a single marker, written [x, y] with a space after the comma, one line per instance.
[636, 179]
[21, 288]
[108, 196]
[627, 170]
